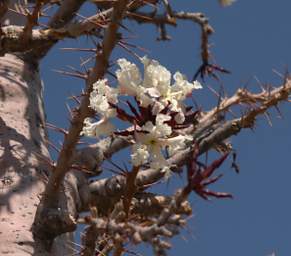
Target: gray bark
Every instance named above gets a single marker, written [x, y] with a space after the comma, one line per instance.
[22, 153]
[24, 161]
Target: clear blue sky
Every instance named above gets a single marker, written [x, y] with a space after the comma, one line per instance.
[252, 38]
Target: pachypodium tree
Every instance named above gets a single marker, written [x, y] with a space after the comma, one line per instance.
[144, 109]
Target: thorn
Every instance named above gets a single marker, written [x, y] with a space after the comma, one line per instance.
[195, 103]
[87, 60]
[267, 115]
[69, 110]
[125, 28]
[286, 77]
[17, 12]
[234, 164]
[73, 74]
[45, 159]
[279, 112]
[84, 65]
[111, 74]
[91, 21]
[213, 91]
[47, 8]
[262, 87]
[58, 129]
[134, 46]
[232, 113]
[114, 171]
[82, 169]
[43, 25]
[79, 49]
[278, 73]
[116, 166]
[220, 97]
[163, 33]
[128, 50]
[53, 146]
[74, 69]
[75, 98]
[60, 143]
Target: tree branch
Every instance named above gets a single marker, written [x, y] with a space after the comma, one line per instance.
[50, 197]
[170, 19]
[116, 185]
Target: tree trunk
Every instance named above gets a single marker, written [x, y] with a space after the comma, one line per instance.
[23, 157]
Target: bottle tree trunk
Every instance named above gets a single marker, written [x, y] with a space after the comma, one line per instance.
[22, 153]
[24, 156]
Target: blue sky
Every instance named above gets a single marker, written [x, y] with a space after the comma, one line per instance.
[251, 38]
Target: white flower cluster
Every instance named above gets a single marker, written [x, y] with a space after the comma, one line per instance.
[153, 140]
[154, 91]
[96, 129]
[100, 98]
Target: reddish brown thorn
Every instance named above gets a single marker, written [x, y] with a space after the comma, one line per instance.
[212, 180]
[234, 164]
[122, 115]
[73, 74]
[207, 69]
[215, 164]
[53, 146]
[55, 128]
[217, 194]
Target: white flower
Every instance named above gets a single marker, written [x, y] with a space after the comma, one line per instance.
[161, 118]
[157, 139]
[144, 97]
[179, 118]
[159, 130]
[128, 77]
[139, 154]
[226, 2]
[103, 89]
[158, 81]
[157, 107]
[155, 88]
[181, 88]
[155, 75]
[166, 170]
[100, 97]
[102, 127]
[158, 160]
